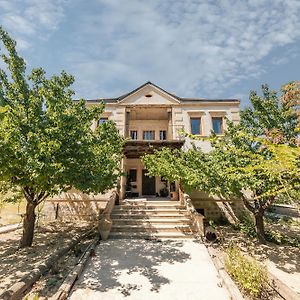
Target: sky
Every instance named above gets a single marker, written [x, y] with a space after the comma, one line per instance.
[193, 48]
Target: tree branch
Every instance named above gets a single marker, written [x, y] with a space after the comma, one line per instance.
[248, 204]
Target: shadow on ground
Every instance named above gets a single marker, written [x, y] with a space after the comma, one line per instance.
[15, 262]
[285, 257]
[140, 258]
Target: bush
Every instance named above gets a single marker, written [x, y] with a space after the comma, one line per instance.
[282, 239]
[246, 225]
[248, 274]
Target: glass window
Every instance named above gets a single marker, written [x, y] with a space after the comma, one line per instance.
[133, 134]
[148, 135]
[102, 120]
[132, 175]
[217, 124]
[195, 125]
[162, 135]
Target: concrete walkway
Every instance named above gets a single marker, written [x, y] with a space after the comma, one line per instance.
[139, 269]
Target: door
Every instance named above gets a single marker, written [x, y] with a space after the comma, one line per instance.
[148, 184]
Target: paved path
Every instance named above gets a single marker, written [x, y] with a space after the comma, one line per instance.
[139, 269]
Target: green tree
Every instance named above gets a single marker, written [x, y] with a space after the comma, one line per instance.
[256, 161]
[46, 142]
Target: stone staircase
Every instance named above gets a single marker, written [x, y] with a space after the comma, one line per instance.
[146, 219]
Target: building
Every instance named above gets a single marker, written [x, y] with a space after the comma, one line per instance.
[151, 118]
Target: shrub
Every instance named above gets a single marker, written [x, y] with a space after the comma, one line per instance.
[282, 239]
[251, 277]
[246, 225]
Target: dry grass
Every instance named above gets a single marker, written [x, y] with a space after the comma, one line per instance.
[281, 260]
[10, 213]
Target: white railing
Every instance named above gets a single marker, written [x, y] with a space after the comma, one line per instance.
[174, 132]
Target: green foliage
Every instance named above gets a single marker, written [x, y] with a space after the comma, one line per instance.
[257, 160]
[46, 141]
[9, 193]
[279, 238]
[270, 117]
[47, 144]
[246, 226]
[249, 274]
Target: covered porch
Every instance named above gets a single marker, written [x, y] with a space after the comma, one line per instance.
[136, 183]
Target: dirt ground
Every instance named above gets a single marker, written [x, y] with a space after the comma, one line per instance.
[283, 261]
[15, 263]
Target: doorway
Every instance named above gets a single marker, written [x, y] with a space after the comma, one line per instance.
[148, 184]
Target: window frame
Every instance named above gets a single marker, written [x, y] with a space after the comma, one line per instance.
[130, 177]
[151, 139]
[200, 125]
[222, 124]
[164, 135]
[130, 134]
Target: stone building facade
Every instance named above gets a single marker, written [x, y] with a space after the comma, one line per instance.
[150, 118]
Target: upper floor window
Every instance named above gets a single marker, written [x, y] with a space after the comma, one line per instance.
[149, 135]
[162, 135]
[133, 134]
[195, 125]
[102, 120]
[217, 124]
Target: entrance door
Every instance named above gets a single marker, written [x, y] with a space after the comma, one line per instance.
[148, 184]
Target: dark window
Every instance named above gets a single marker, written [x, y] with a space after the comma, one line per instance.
[132, 175]
[133, 134]
[162, 135]
[217, 124]
[148, 135]
[201, 211]
[195, 125]
[102, 120]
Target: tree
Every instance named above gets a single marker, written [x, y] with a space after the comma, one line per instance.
[257, 160]
[46, 142]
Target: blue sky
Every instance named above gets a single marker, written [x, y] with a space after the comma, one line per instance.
[212, 49]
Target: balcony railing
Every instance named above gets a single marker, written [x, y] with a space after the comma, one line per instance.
[174, 132]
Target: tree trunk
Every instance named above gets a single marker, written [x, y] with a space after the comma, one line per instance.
[28, 225]
[260, 227]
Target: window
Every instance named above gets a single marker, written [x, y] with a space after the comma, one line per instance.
[132, 175]
[133, 134]
[162, 135]
[195, 125]
[217, 124]
[102, 120]
[149, 135]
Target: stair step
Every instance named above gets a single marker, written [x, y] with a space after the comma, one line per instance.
[152, 219]
[156, 235]
[144, 221]
[149, 215]
[148, 208]
[150, 227]
[156, 203]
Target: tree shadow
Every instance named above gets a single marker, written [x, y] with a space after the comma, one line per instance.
[285, 257]
[15, 262]
[118, 259]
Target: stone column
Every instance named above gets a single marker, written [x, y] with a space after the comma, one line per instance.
[170, 127]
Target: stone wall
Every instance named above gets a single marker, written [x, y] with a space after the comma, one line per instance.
[74, 206]
[210, 207]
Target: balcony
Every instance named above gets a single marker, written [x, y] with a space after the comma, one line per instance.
[167, 133]
[138, 148]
